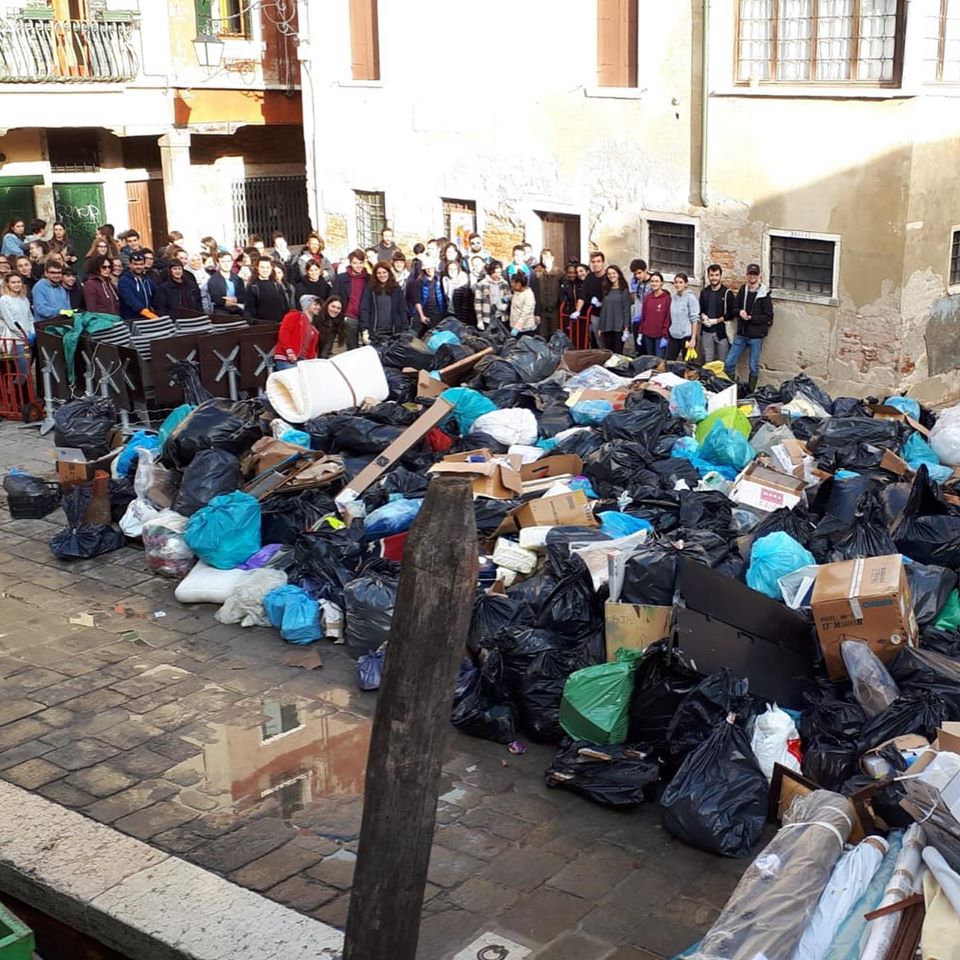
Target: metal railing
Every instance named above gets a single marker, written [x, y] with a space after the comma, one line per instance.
[67, 51]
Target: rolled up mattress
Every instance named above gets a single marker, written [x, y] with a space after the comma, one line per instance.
[315, 387]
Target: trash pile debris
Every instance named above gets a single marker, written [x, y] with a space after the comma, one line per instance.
[742, 607]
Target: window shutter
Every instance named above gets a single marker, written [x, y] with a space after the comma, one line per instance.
[617, 43]
[364, 40]
[204, 16]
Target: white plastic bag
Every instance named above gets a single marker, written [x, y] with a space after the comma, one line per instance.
[138, 512]
[165, 546]
[245, 603]
[945, 436]
[772, 733]
[153, 482]
[873, 686]
[507, 553]
[205, 584]
[513, 425]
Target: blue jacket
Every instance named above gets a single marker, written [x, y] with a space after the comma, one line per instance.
[12, 246]
[136, 294]
[48, 300]
[418, 290]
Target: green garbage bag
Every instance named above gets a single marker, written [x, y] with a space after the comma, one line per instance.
[596, 700]
[949, 618]
[728, 416]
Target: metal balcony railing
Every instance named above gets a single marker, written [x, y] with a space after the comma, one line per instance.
[67, 51]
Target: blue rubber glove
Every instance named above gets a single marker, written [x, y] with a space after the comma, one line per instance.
[663, 341]
[514, 333]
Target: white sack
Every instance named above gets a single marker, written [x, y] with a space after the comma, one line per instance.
[513, 425]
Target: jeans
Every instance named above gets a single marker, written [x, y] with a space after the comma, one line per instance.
[279, 364]
[712, 348]
[649, 348]
[755, 345]
[351, 328]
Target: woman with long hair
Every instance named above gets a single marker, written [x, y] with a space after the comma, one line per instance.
[60, 243]
[13, 233]
[330, 325]
[37, 252]
[313, 248]
[456, 288]
[99, 294]
[383, 308]
[98, 249]
[614, 309]
[106, 232]
[16, 321]
[655, 318]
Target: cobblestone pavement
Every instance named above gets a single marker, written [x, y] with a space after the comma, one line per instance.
[220, 744]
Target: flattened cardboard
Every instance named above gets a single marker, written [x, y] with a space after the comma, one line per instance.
[494, 477]
[867, 600]
[453, 373]
[565, 510]
[948, 737]
[617, 398]
[427, 386]
[383, 461]
[880, 411]
[890, 461]
[766, 489]
[634, 626]
[566, 464]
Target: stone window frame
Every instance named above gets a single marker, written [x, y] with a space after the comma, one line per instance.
[953, 261]
[801, 296]
[696, 271]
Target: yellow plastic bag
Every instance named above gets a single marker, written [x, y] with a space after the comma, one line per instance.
[717, 369]
[690, 355]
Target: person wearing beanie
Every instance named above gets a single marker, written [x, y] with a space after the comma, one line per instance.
[297, 338]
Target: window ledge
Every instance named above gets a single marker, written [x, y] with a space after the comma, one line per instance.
[813, 92]
[953, 289]
[797, 296]
[370, 84]
[615, 93]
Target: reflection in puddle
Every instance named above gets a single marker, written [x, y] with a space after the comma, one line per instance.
[293, 755]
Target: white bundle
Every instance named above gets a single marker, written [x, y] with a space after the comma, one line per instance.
[508, 554]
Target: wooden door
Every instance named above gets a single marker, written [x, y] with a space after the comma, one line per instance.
[561, 234]
[158, 213]
[138, 210]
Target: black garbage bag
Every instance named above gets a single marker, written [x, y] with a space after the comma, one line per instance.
[389, 412]
[663, 678]
[703, 546]
[480, 707]
[928, 529]
[803, 428]
[323, 431]
[210, 473]
[844, 494]
[30, 496]
[865, 536]
[918, 671]
[81, 541]
[492, 372]
[560, 539]
[718, 799]
[642, 423]
[407, 482]
[368, 609]
[660, 507]
[359, 435]
[554, 418]
[406, 351]
[884, 800]
[767, 394]
[330, 557]
[617, 466]
[85, 424]
[853, 442]
[582, 442]
[650, 574]
[704, 707]
[921, 712]
[894, 498]
[518, 647]
[532, 590]
[532, 358]
[284, 517]
[618, 776]
[830, 729]
[489, 513]
[403, 389]
[796, 522]
[492, 612]
[541, 690]
[674, 469]
[946, 642]
[930, 586]
[571, 608]
[450, 353]
[231, 425]
[706, 510]
[802, 384]
[121, 494]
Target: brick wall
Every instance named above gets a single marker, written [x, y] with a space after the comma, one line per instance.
[501, 234]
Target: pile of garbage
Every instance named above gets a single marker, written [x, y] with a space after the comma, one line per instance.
[742, 607]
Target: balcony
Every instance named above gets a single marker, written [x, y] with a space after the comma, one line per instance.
[34, 50]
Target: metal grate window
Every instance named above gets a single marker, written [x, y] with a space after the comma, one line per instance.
[73, 151]
[459, 221]
[672, 246]
[802, 265]
[819, 41]
[264, 204]
[955, 259]
[371, 217]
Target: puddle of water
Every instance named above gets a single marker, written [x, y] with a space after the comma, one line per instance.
[294, 755]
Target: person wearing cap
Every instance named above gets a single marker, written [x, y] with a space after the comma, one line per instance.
[350, 287]
[135, 290]
[297, 338]
[754, 316]
[383, 311]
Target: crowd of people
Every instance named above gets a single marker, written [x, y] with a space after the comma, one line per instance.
[378, 292]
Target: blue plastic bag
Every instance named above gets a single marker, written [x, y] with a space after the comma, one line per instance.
[173, 420]
[438, 339]
[292, 610]
[589, 413]
[774, 556]
[615, 524]
[298, 437]
[906, 405]
[393, 517]
[689, 401]
[467, 406]
[582, 483]
[916, 451]
[370, 669]
[726, 448]
[141, 440]
[225, 532]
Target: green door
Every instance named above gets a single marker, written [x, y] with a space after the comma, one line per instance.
[16, 198]
[80, 207]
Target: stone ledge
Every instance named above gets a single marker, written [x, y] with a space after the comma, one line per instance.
[138, 900]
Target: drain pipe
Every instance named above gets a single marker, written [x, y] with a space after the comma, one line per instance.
[704, 103]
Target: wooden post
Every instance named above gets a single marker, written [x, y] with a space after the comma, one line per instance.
[412, 723]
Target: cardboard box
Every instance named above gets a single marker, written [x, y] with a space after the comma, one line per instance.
[497, 477]
[867, 600]
[616, 398]
[427, 386]
[792, 457]
[562, 465]
[880, 411]
[73, 468]
[948, 737]
[634, 626]
[766, 489]
[566, 510]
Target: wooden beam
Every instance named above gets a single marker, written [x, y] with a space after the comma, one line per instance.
[412, 723]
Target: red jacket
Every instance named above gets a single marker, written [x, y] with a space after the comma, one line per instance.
[655, 316]
[297, 333]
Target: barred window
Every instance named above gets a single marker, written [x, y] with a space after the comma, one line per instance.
[371, 217]
[819, 41]
[671, 246]
[942, 42]
[955, 259]
[802, 265]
